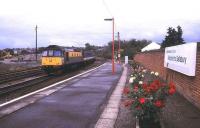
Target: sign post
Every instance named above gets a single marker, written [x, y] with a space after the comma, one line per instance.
[126, 59]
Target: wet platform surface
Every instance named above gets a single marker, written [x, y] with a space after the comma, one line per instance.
[75, 106]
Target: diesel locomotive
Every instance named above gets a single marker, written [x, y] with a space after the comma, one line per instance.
[60, 59]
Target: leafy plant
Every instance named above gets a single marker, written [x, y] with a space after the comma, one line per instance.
[147, 93]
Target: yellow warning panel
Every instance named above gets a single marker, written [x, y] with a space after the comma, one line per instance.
[52, 61]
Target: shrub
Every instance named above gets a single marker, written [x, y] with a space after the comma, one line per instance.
[147, 93]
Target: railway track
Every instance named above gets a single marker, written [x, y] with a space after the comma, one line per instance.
[21, 70]
[20, 74]
[15, 87]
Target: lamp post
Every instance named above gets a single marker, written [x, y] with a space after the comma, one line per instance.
[113, 45]
[119, 49]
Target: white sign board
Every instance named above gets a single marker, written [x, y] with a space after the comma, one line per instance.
[181, 58]
[126, 59]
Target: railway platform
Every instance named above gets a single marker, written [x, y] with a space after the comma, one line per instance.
[74, 103]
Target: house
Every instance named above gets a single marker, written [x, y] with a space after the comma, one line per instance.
[151, 46]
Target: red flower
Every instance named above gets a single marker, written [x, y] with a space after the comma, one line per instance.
[171, 91]
[144, 86]
[142, 100]
[126, 90]
[153, 87]
[171, 85]
[172, 88]
[157, 83]
[159, 103]
[138, 107]
[135, 89]
[128, 103]
[147, 89]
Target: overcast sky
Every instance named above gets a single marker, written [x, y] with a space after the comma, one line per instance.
[76, 22]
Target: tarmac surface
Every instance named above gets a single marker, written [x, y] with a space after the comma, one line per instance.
[78, 105]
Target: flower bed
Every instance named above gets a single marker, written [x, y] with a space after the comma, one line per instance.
[147, 94]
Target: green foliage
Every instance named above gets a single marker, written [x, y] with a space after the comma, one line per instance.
[173, 37]
[2, 53]
[9, 50]
[147, 92]
[24, 52]
[89, 47]
[41, 49]
[129, 48]
[97, 50]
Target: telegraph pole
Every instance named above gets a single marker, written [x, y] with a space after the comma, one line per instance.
[36, 43]
[119, 47]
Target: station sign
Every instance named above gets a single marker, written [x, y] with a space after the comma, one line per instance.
[181, 58]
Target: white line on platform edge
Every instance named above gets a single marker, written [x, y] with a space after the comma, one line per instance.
[55, 84]
[137, 123]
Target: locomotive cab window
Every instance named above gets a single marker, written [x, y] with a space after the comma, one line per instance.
[50, 52]
[44, 53]
[57, 53]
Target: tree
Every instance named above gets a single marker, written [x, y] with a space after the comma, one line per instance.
[180, 40]
[89, 47]
[11, 51]
[41, 49]
[133, 46]
[2, 53]
[173, 37]
[130, 48]
[24, 52]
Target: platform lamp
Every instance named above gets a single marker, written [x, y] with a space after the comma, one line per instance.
[113, 45]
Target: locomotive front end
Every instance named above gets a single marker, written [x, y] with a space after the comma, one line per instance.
[52, 60]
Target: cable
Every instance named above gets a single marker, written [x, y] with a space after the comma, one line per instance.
[108, 10]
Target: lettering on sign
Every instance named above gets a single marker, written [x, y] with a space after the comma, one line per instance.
[178, 59]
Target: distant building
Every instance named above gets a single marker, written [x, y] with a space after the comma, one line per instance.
[151, 46]
[15, 51]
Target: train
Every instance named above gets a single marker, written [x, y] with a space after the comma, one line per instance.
[61, 59]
